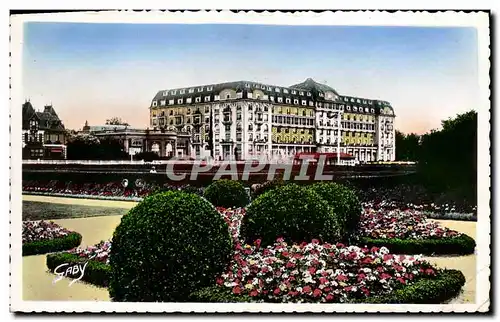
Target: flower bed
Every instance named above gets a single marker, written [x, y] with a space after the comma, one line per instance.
[410, 232]
[309, 272]
[40, 237]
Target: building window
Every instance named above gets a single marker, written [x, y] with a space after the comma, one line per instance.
[272, 98]
[308, 93]
[372, 110]
[348, 108]
[228, 96]
[294, 92]
[197, 99]
[200, 89]
[247, 85]
[209, 88]
[280, 99]
[304, 102]
[285, 91]
[182, 91]
[179, 101]
[288, 101]
[207, 98]
[191, 90]
[311, 103]
[277, 90]
[188, 100]
[301, 93]
[295, 101]
[155, 103]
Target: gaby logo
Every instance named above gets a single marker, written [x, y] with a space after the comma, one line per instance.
[67, 270]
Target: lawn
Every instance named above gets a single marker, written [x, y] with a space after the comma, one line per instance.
[35, 210]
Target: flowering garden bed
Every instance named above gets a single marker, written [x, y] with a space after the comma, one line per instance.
[40, 237]
[309, 272]
[409, 232]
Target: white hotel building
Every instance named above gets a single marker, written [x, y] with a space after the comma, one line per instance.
[246, 119]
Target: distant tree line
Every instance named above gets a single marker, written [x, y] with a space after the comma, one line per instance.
[447, 158]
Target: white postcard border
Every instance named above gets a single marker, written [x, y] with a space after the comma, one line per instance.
[365, 18]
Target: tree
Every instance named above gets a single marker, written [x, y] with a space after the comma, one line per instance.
[448, 157]
[407, 146]
[116, 121]
[89, 147]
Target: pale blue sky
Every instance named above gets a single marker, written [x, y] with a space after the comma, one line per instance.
[96, 71]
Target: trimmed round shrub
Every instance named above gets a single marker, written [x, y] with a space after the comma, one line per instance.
[226, 193]
[344, 203]
[166, 247]
[293, 212]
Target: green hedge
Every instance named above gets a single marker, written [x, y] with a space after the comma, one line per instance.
[69, 241]
[461, 245]
[440, 289]
[96, 273]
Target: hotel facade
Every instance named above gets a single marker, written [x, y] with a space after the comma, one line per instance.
[244, 120]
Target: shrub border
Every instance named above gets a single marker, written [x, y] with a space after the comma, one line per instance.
[461, 245]
[38, 247]
[96, 273]
[446, 286]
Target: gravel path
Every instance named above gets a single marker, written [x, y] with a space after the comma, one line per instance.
[37, 281]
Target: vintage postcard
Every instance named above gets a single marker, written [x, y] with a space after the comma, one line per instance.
[250, 162]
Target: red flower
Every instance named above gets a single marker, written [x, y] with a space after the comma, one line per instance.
[312, 270]
[236, 290]
[293, 293]
[254, 293]
[327, 246]
[374, 249]
[385, 276]
[285, 254]
[277, 291]
[323, 280]
[257, 243]
[315, 241]
[361, 277]
[264, 269]
[387, 257]
[340, 245]
[329, 297]
[280, 240]
[317, 292]
[266, 252]
[306, 289]
[402, 281]
[429, 271]
[290, 265]
[342, 277]
[220, 280]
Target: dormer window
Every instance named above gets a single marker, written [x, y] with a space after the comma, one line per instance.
[191, 90]
[247, 85]
[294, 92]
[179, 101]
[277, 90]
[352, 100]
[197, 99]
[200, 89]
[263, 87]
[163, 102]
[155, 103]
[285, 91]
[173, 92]
[301, 93]
[165, 93]
[370, 102]
[321, 94]
[209, 88]
[182, 91]
[358, 100]
[269, 88]
[308, 93]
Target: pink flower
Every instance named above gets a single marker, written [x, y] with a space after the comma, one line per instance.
[276, 291]
[342, 278]
[257, 243]
[323, 280]
[317, 292]
[315, 241]
[329, 298]
[290, 265]
[280, 240]
[306, 289]
[312, 270]
[236, 290]
[254, 293]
